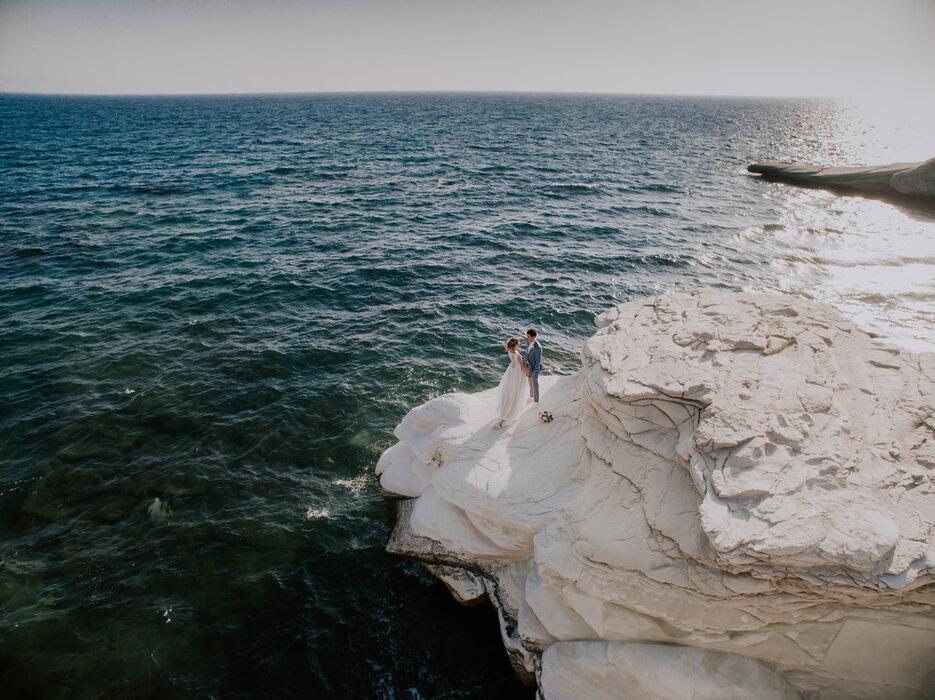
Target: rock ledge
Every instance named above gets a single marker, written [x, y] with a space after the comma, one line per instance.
[736, 499]
[893, 180]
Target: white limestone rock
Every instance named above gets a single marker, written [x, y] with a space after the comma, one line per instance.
[891, 180]
[916, 181]
[747, 475]
[596, 670]
[465, 587]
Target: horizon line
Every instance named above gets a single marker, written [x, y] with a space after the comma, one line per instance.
[298, 93]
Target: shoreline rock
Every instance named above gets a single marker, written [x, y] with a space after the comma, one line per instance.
[901, 180]
[736, 498]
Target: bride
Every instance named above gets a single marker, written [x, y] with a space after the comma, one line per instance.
[513, 387]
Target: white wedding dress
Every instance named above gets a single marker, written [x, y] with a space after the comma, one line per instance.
[513, 389]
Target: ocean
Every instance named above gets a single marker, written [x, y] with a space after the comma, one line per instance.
[215, 310]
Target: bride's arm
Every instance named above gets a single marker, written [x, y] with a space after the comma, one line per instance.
[523, 365]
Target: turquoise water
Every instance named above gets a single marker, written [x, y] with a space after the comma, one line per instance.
[215, 310]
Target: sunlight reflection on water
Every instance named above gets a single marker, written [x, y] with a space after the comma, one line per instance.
[873, 260]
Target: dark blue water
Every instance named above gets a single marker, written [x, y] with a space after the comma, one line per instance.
[213, 312]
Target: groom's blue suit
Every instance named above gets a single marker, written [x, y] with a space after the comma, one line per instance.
[533, 357]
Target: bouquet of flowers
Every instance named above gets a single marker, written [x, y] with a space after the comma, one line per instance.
[545, 417]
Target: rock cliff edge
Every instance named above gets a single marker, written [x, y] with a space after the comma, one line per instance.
[736, 499]
[894, 180]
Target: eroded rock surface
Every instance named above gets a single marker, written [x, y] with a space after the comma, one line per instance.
[895, 179]
[736, 496]
[600, 670]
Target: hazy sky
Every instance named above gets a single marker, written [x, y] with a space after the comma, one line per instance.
[751, 47]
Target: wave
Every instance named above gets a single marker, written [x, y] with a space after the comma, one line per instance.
[497, 169]
[519, 227]
[894, 261]
[663, 260]
[638, 209]
[357, 485]
[282, 170]
[154, 189]
[30, 252]
[659, 187]
[572, 188]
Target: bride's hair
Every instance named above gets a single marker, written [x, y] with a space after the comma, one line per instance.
[512, 343]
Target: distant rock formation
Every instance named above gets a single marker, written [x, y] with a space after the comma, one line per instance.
[894, 180]
[736, 499]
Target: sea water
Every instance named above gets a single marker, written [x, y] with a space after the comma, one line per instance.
[214, 311]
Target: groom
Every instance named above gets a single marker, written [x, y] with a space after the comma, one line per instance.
[533, 358]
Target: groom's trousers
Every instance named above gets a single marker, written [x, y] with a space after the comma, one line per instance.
[534, 386]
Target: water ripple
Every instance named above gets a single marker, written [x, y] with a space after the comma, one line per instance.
[227, 304]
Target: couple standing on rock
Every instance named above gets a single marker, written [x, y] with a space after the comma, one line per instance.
[524, 369]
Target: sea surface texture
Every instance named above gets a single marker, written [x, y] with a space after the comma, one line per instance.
[213, 312]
